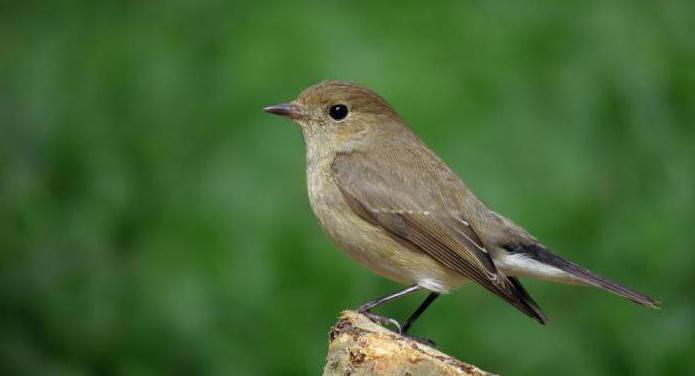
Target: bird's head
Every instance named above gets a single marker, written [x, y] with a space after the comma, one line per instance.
[337, 112]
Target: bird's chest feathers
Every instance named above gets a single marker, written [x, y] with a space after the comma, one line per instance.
[324, 196]
[347, 229]
[323, 192]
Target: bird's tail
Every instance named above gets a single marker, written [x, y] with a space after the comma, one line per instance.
[538, 253]
[526, 303]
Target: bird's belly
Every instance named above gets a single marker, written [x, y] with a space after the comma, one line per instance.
[373, 247]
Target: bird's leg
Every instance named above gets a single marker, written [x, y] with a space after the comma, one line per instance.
[385, 321]
[415, 315]
[366, 307]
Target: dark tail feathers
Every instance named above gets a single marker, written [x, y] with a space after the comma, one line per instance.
[541, 254]
[526, 303]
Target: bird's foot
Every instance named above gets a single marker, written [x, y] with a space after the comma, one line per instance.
[387, 321]
[422, 340]
[383, 321]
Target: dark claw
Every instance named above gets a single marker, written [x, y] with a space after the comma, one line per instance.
[387, 321]
[383, 321]
[422, 340]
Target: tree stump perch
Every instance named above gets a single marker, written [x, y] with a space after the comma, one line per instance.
[358, 346]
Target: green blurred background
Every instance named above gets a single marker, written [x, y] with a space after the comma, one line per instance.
[154, 220]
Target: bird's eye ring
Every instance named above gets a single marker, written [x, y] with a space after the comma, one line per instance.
[338, 112]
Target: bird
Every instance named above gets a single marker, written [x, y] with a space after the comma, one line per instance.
[389, 202]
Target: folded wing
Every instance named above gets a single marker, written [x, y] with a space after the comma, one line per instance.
[411, 204]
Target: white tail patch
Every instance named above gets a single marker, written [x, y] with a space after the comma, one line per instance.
[520, 265]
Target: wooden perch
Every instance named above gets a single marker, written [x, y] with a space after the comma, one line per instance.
[358, 346]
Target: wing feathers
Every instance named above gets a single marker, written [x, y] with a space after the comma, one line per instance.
[419, 216]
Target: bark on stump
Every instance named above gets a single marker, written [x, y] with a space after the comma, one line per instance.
[358, 346]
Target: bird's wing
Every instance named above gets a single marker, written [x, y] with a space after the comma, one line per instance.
[409, 203]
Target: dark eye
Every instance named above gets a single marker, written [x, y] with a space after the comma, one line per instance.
[338, 111]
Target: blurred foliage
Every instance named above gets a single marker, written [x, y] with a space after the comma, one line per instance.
[154, 220]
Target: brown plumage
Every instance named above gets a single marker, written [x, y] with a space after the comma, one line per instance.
[387, 200]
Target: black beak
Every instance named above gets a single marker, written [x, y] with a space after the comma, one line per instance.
[289, 110]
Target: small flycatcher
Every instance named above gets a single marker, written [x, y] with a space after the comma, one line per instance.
[387, 200]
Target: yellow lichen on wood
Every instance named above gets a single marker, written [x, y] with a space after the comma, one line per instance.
[358, 346]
